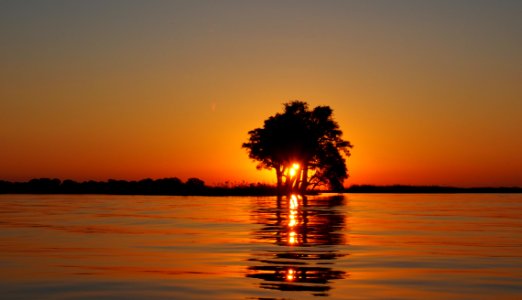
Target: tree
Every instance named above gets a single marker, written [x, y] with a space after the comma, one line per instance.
[305, 147]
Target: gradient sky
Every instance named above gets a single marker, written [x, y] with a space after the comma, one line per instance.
[429, 92]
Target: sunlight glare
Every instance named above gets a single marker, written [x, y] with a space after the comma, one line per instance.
[293, 170]
[290, 275]
[293, 221]
[292, 240]
[293, 202]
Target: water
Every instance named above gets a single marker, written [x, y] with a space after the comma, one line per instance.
[356, 246]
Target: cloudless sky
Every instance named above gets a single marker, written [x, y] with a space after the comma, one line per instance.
[429, 92]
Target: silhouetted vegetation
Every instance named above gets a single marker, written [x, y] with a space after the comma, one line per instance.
[404, 189]
[195, 186]
[305, 147]
[164, 186]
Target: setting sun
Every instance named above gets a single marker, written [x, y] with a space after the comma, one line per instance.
[292, 171]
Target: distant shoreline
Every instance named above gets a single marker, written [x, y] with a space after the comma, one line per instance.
[197, 187]
[412, 189]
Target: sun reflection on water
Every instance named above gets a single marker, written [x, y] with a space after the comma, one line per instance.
[290, 274]
[304, 235]
[293, 220]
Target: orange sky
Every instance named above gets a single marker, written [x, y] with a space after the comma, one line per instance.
[429, 93]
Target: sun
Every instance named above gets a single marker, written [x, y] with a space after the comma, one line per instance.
[293, 170]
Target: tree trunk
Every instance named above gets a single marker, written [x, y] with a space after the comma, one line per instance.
[288, 185]
[279, 174]
[297, 183]
[304, 180]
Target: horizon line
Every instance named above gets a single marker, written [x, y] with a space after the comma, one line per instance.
[232, 184]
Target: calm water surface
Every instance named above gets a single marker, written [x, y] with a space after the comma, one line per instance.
[354, 246]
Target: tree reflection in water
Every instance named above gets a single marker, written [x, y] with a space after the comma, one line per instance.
[305, 233]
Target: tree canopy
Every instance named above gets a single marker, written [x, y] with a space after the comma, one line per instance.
[304, 146]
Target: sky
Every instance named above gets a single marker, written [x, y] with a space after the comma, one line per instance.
[428, 92]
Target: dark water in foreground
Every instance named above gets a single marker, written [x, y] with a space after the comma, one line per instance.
[356, 246]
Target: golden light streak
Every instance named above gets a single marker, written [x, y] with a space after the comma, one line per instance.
[293, 219]
[290, 275]
[293, 202]
[292, 238]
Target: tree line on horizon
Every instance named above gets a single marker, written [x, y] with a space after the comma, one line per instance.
[147, 186]
[197, 187]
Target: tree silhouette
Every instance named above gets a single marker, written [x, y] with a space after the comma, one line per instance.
[305, 147]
